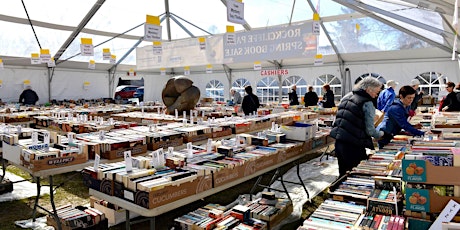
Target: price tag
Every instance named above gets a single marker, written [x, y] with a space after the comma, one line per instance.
[150, 128]
[185, 115]
[209, 146]
[155, 159]
[273, 126]
[128, 161]
[101, 135]
[111, 121]
[177, 113]
[34, 138]
[46, 138]
[97, 159]
[237, 140]
[170, 150]
[70, 138]
[202, 115]
[184, 121]
[189, 150]
[161, 158]
[191, 120]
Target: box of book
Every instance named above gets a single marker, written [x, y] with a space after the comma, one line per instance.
[242, 128]
[164, 194]
[114, 215]
[119, 153]
[165, 144]
[423, 171]
[221, 131]
[53, 161]
[427, 200]
[383, 202]
[289, 150]
[228, 174]
[352, 188]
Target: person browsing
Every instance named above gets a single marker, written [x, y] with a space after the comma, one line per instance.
[28, 96]
[250, 102]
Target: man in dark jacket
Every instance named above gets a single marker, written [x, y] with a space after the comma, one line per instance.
[354, 127]
[28, 96]
[250, 102]
[293, 98]
[310, 98]
[396, 118]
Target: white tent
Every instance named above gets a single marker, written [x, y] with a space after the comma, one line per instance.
[391, 39]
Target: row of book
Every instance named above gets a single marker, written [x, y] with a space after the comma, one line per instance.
[78, 217]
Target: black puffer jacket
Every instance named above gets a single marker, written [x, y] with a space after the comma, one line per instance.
[349, 124]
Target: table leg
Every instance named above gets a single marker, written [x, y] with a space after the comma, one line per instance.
[55, 216]
[37, 181]
[152, 223]
[3, 169]
[127, 223]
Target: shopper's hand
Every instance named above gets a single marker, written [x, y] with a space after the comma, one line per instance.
[387, 136]
[445, 108]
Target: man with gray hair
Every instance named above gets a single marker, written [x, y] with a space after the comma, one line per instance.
[28, 96]
[354, 127]
[237, 98]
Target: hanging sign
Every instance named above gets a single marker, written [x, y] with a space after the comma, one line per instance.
[131, 73]
[152, 28]
[86, 47]
[45, 55]
[35, 59]
[274, 72]
[202, 41]
[91, 64]
[51, 62]
[1, 64]
[113, 59]
[318, 59]
[235, 11]
[187, 70]
[316, 26]
[162, 71]
[106, 54]
[86, 85]
[230, 36]
[209, 68]
[257, 65]
[1, 84]
[157, 48]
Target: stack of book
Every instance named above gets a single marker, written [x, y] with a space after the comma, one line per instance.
[334, 215]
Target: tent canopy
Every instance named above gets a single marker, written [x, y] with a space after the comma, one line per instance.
[351, 31]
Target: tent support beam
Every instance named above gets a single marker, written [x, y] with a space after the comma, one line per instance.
[80, 26]
[176, 16]
[168, 22]
[171, 16]
[228, 73]
[334, 47]
[31, 25]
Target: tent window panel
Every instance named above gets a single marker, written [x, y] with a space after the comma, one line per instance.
[432, 83]
[239, 85]
[215, 90]
[268, 89]
[334, 82]
[300, 83]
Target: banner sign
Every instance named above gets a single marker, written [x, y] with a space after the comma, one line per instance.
[275, 43]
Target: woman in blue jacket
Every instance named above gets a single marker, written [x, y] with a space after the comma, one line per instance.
[396, 118]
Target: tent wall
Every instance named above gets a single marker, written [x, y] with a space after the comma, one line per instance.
[68, 84]
[13, 83]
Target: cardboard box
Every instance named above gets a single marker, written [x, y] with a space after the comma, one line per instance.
[201, 137]
[165, 144]
[169, 194]
[227, 175]
[52, 163]
[223, 133]
[119, 153]
[298, 133]
[290, 152]
[12, 153]
[113, 216]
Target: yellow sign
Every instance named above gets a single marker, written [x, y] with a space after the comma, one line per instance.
[318, 56]
[35, 55]
[201, 39]
[154, 20]
[230, 29]
[106, 50]
[87, 41]
[1, 61]
[315, 17]
[44, 51]
[27, 82]
[92, 62]
[157, 43]
[113, 56]
[86, 83]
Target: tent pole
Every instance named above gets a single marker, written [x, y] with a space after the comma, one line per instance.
[49, 84]
[228, 73]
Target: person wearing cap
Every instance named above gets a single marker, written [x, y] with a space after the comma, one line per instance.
[396, 118]
[450, 102]
[387, 96]
[418, 96]
[28, 96]
[293, 98]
